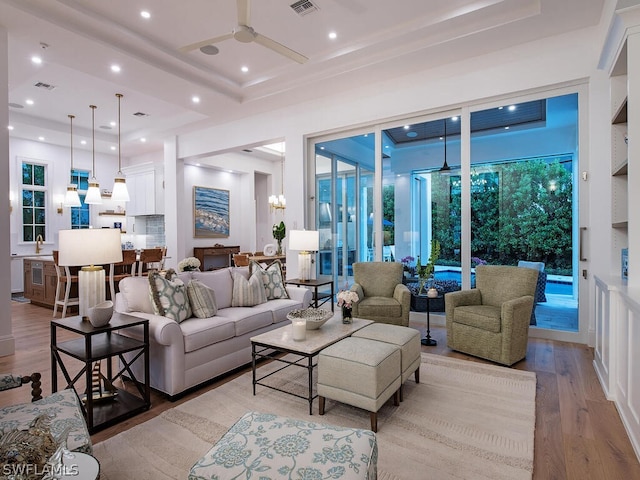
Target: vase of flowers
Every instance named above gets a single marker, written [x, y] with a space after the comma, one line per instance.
[279, 232]
[346, 299]
[189, 264]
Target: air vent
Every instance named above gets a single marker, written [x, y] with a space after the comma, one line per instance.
[46, 86]
[15, 105]
[304, 7]
[247, 150]
[140, 114]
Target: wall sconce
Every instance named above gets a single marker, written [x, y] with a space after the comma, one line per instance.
[59, 201]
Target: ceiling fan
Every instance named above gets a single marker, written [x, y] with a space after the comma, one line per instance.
[245, 33]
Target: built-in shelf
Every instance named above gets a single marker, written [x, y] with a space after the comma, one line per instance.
[621, 114]
[624, 224]
[112, 214]
[621, 170]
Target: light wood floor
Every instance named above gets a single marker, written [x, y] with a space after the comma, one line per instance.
[579, 434]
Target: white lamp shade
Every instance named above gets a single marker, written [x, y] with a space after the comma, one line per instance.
[71, 198]
[120, 192]
[89, 246]
[304, 240]
[93, 193]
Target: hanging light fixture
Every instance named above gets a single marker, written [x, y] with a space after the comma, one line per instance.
[278, 202]
[445, 167]
[120, 192]
[71, 198]
[93, 193]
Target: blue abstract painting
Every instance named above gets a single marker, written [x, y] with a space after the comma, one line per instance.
[210, 212]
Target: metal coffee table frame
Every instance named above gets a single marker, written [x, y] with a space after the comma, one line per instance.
[280, 341]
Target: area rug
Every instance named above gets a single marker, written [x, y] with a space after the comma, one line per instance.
[464, 420]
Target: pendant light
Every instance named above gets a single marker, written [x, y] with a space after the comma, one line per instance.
[278, 202]
[93, 193]
[119, 192]
[71, 198]
[445, 167]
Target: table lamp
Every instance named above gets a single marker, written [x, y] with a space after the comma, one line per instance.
[305, 242]
[90, 249]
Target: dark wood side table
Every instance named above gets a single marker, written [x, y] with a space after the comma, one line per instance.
[319, 298]
[427, 340]
[103, 343]
[218, 257]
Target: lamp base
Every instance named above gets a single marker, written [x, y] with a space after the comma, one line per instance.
[91, 288]
[304, 266]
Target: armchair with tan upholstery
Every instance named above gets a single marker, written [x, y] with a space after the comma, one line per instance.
[382, 295]
[491, 321]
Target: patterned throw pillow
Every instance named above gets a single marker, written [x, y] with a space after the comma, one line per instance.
[202, 299]
[272, 278]
[247, 293]
[169, 296]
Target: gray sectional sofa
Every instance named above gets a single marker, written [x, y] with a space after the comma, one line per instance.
[187, 354]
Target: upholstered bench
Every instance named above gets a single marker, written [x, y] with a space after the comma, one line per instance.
[407, 339]
[360, 372]
[262, 445]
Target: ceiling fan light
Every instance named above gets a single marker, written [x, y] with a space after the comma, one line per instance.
[120, 193]
[71, 197]
[93, 193]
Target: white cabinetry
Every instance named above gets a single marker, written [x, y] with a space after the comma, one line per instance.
[142, 194]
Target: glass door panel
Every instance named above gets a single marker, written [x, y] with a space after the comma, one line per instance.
[524, 158]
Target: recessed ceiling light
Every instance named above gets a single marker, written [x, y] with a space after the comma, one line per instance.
[512, 108]
[406, 127]
[333, 35]
[195, 99]
[506, 128]
[244, 69]
[9, 127]
[83, 142]
[112, 123]
[143, 139]
[36, 60]
[145, 14]
[197, 164]
[455, 119]
[113, 147]
[115, 68]
[28, 101]
[41, 139]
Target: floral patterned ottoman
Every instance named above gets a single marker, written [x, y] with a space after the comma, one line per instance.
[267, 446]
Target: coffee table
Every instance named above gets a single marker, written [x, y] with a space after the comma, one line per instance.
[281, 340]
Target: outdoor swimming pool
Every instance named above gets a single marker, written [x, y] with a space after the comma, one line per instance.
[556, 287]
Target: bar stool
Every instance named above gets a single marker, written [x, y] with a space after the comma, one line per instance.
[65, 280]
[151, 259]
[120, 270]
[241, 259]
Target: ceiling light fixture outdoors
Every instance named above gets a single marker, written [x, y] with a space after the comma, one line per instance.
[445, 167]
[71, 198]
[278, 202]
[93, 193]
[119, 192]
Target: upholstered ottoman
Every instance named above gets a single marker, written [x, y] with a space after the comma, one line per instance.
[359, 372]
[262, 445]
[405, 338]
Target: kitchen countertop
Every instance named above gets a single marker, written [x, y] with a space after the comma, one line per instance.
[36, 256]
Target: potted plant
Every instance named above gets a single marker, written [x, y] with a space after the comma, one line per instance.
[279, 232]
[425, 272]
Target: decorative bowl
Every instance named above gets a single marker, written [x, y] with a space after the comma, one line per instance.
[315, 317]
[100, 314]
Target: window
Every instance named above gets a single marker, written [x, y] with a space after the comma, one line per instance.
[34, 194]
[80, 215]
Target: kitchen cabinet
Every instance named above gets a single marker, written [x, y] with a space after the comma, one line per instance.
[40, 281]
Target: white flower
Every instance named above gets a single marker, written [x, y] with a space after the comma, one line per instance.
[347, 298]
[189, 263]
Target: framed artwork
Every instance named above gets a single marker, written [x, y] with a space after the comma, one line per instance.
[210, 212]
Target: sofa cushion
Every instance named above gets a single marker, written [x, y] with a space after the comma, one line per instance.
[201, 332]
[247, 293]
[379, 306]
[169, 295]
[272, 278]
[220, 282]
[202, 299]
[484, 317]
[248, 319]
[135, 292]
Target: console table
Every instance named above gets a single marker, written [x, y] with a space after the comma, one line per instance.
[213, 258]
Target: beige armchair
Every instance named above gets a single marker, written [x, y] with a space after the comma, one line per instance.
[382, 296]
[492, 320]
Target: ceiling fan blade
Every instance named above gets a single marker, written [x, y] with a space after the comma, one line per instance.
[279, 48]
[209, 41]
[244, 12]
